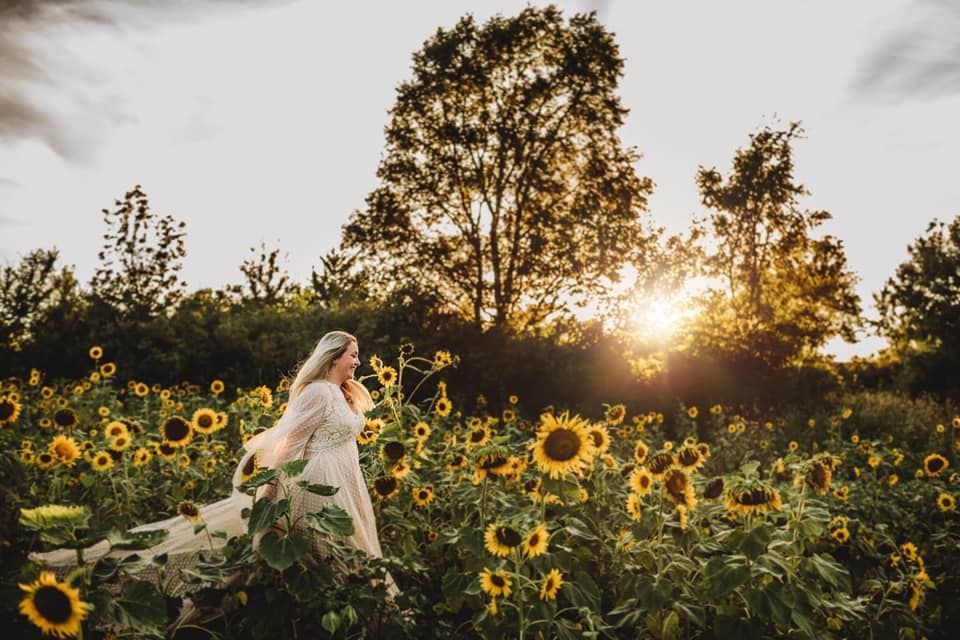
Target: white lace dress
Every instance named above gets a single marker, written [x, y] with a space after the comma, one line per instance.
[333, 459]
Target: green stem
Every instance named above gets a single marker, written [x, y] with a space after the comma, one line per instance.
[516, 564]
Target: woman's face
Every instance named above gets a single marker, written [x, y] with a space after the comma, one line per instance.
[343, 367]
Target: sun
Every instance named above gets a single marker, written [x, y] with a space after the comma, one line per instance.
[659, 316]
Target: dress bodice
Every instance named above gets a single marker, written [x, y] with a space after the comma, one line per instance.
[338, 425]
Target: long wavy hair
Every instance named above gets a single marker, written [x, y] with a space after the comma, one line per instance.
[316, 367]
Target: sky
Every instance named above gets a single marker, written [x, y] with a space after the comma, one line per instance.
[262, 122]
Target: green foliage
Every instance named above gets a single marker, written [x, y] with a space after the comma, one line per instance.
[267, 282]
[27, 290]
[505, 191]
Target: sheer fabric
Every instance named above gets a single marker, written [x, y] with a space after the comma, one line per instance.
[318, 425]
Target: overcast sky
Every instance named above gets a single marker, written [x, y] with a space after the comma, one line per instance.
[263, 121]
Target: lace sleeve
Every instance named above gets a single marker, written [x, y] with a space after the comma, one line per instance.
[310, 411]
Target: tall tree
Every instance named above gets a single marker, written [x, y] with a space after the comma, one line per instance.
[781, 293]
[266, 278]
[26, 289]
[340, 280]
[504, 189]
[140, 260]
[920, 309]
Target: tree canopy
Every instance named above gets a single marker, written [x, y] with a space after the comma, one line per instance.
[504, 189]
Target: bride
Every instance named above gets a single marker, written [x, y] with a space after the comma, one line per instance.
[324, 415]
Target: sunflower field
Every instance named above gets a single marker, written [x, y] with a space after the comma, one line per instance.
[704, 522]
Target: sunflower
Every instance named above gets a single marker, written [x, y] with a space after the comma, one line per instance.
[421, 430]
[551, 585]
[660, 464]
[101, 461]
[46, 459]
[509, 416]
[217, 387]
[176, 431]
[66, 419]
[141, 389]
[677, 486]
[757, 499]
[792, 446]
[387, 376]
[714, 489]
[95, 352]
[563, 445]
[107, 369]
[386, 487]
[535, 544]
[53, 607]
[841, 535]
[935, 464]
[166, 450]
[693, 412]
[442, 359]
[141, 457]
[600, 437]
[443, 407]
[400, 470]
[496, 583]
[634, 506]
[457, 462]
[640, 452]
[641, 481]
[115, 429]
[478, 436]
[500, 539]
[65, 450]
[190, 511]
[27, 456]
[422, 496]
[689, 459]
[909, 551]
[615, 415]
[205, 421]
[819, 477]
[9, 411]
[393, 451]
[946, 502]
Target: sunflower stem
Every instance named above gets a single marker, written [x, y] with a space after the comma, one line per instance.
[516, 565]
[483, 504]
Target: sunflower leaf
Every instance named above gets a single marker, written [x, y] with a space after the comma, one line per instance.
[281, 552]
[265, 513]
[262, 477]
[136, 540]
[330, 519]
[294, 467]
[319, 489]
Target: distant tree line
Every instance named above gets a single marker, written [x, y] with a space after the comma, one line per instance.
[506, 204]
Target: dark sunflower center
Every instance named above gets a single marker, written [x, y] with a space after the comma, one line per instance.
[52, 604]
[645, 481]
[44, 458]
[394, 450]
[676, 484]
[531, 485]
[424, 495]
[549, 585]
[934, 465]
[660, 463]
[6, 409]
[457, 460]
[562, 445]
[189, 510]
[166, 449]
[492, 462]
[385, 486]
[64, 417]
[508, 537]
[497, 581]
[534, 539]
[713, 489]
[176, 429]
[689, 457]
[753, 497]
[477, 436]
[205, 421]
[597, 439]
[249, 467]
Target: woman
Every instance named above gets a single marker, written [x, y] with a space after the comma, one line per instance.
[323, 417]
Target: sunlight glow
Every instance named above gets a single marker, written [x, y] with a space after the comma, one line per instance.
[660, 315]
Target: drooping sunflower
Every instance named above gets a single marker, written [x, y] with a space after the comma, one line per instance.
[66, 419]
[443, 407]
[386, 487]
[935, 464]
[9, 410]
[53, 607]
[535, 544]
[946, 502]
[500, 539]
[640, 452]
[176, 431]
[189, 510]
[714, 489]
[600, 438]
[496, 583]
[615, 415]
[551, 585]
[563, 445]
[634, 506]
[65, 450]
[101, 461]
[641, 481]
[819, 477]
[689, 459]
[660, 464]
[754, 500]
[387, 376]
[205, 421]
[422, 496]
[141, 457]
[677, 487]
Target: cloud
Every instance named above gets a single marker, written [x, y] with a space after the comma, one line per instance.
[31, 73]
[919, 60]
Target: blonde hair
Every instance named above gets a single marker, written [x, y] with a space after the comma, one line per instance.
[316, 367]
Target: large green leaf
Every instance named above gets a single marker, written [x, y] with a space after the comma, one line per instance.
[724, 574]
[294, 467]
[262, 477]
[136, 540]
[319, 489]
[280, 552]
[139, 609]
[266, 512]
[330, 519]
